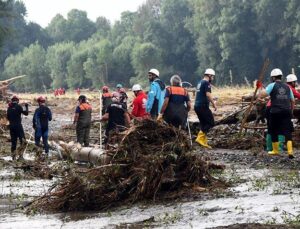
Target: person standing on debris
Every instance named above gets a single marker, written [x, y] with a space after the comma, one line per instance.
[282, 104]
[291, 81]
[41, 118]
[176, 105]
[156, 94]
[14, 112]
[82, 120]
[106, 98]
[201, 107]
[117, 117]
[139, 103]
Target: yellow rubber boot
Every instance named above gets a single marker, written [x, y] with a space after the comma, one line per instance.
[289, 146]
[205, 142]
[275, 146]
[202, 139]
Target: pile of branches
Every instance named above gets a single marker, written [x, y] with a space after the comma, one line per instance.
[152, 162]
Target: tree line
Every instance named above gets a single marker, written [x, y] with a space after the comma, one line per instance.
[182, 37]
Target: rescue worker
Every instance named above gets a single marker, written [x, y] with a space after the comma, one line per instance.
[121, 94]
[176, 105]
[123, 97]
[156, 94]
[291, 81]
[282, 104]
[201, 107]
[41, 118]
[139, 103]
[117, 117]
[82, 120]
[14, 112]
[106, 98]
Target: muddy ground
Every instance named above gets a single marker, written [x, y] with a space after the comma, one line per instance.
[264, 191]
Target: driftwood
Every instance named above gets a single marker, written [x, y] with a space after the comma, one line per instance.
[152, 162]
[78, 153]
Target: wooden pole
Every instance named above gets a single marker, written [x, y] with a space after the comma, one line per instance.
[100, 113]
[260, 78]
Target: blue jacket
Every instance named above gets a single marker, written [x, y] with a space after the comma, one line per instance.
[156, 93]
[41, 117]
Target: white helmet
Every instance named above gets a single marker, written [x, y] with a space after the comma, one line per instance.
[291, 78]
[136, 87]
[154, 71]
[209, 71]
[276, 72]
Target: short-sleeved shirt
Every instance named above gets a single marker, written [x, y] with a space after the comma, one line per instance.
[177, 95]
[116, 113]
[270, 87]
[202, 88]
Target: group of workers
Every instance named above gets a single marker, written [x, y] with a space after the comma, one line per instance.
[170, 104]
[40, 123]
[279, 112]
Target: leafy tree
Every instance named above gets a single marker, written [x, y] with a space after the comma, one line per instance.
[57, 58]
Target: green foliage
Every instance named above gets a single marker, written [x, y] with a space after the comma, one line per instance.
[177, 37]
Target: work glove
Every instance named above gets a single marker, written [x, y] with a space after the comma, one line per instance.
[159, 118]
[259, 84]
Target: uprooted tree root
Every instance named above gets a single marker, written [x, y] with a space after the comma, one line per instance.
[151, 161]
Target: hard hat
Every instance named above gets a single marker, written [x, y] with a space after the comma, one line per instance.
[15, 98]
[41, 99]
[276, 72]
[209, 71]
[82, 98]
[105, 88]
[291, 78]
[136, 87]
[154, 71]
[119, 85]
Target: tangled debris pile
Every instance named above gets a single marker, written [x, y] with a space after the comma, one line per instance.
[153, 161]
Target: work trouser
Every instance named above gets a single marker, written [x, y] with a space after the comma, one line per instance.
[281, 124]
[205, 117]
[83, 133]
[16, 132]
[42, 133]
[176, 115]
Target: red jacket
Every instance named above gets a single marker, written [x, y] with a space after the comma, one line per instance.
[139, 105]
[295, 92]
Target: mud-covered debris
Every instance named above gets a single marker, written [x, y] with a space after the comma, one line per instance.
[152, 162]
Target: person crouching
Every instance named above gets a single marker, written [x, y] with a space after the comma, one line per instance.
[117, 116]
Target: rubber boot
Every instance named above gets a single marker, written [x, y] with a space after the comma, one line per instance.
[281, 140]
[205, 142]
[269, 142]
[289, 146]
[275, 146]
[202, 139]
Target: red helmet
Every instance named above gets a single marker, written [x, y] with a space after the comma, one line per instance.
[15, 98]
[41, 99]
[105, 88]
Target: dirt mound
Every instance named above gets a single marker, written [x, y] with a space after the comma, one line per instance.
[153, 161]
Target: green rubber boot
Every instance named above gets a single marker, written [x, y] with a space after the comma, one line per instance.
[281, 140]
[269, 142]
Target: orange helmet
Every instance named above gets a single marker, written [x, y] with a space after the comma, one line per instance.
[41, 99]
[15, 98]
